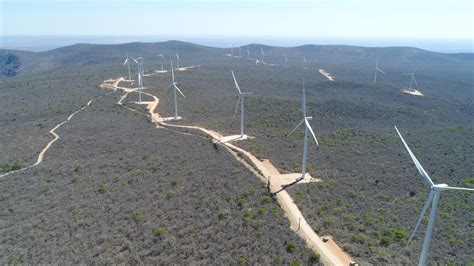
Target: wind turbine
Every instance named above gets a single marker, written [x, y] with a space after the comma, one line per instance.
[175, 88]
[304, 61]
[240, 52]
[286, 60]
[433, 198]
[143, 64]
[139, 78]
[307, 129]
[127, 62]
[178, 60]
[241, 101]
[377, 69]
[412, 78]
[162, 59]
[232, 50]
[248, 53]
[263, 54]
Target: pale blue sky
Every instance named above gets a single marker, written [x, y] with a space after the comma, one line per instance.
[281, 18]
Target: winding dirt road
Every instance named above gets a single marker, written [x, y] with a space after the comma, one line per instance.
[56, 137]
[331, 253]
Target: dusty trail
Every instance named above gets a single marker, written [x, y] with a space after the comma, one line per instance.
[326, 74]
[56, 137]
[331, 253]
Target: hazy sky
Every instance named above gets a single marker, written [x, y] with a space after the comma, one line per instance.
[283, 18]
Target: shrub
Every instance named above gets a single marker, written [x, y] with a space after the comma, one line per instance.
[400, 233]
[469, 182]
[385, 241]
[314, 258]
[11, 167]
[137, 216]
[241, 260]
[358, 237]
[102, 189]
[290, 247]
[222, 214]
[159, 232]
[240, 201]
[295, 262]
[174, 182]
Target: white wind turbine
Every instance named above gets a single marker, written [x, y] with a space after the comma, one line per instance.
[241, 101]
[307, 129]
[248, 53]
[178, 60]
[286, 60]
[240, 52]
[304, 61]
[127, 62]
[162, 57]
[139, 77]
[412, 79]
[377, 69]
[232, 50]
[263, 54]
[142, 64]
[433, 199]
[175, 88]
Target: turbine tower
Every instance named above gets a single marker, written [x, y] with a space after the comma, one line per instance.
[127, 62]
[175, 88]
[162, 57]
[286, 60]
[433, 199]
[412, 79]
[377, 69]
[241, 101]
[263, 55]
[143, 64]
[304, 62]
[139, 77]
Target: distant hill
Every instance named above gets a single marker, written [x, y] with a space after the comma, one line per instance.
[14, 62]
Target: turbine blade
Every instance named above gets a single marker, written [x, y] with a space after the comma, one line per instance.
[460, 188]
[380, 70]
[235, 81]
[237, 106]
[176, 87]
[169, 86]
[414, 80]
[422, 171]
[125, 62]
[134, 59]
[422, 213]
[299, 124]
[311, 130]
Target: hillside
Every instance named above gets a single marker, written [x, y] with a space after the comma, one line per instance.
[15, 62]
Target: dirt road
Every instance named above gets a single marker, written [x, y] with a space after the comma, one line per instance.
[56, 137]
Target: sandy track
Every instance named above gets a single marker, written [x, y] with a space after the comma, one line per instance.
[56, 137]
[331, 253]
[326, 74]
